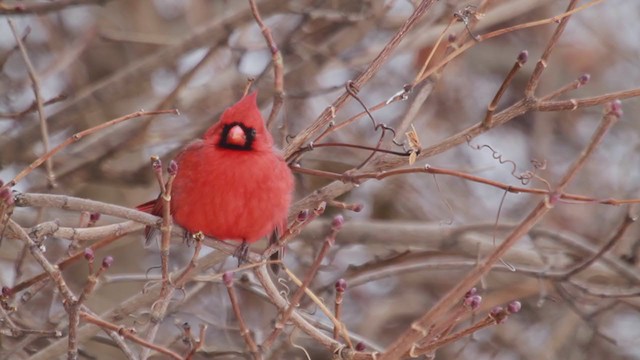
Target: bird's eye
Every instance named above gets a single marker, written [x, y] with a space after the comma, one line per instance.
[252, 132]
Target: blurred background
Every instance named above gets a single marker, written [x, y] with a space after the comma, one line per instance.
[416, 235]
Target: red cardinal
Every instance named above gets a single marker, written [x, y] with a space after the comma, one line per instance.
[232, 184]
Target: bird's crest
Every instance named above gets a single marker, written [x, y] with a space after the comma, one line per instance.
[244, 112]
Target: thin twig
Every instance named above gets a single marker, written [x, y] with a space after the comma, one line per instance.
[180, 281]
[485, 322]
[44, 129]
[534, 80]
[444, 328]
[355, 207]
[33, 107]
[73, 309]
[297, 296]
[278, 66]
[160, 307]
[76, 137]
[336, 127]
[227, 278]
[167, 223]
[359, 177]
[170, 98]
[79, 204]
[117, 339]
[628, 221]
[575, 104]
[199, 344]
[304, 218]
[127, 333]
[46, 7]
[520, 61]
[341, 287]
[337, 324]
[433, 50]
[575, 84]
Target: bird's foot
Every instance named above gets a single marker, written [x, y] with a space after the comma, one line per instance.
[242, 253]
[188, 238]
[277, 256]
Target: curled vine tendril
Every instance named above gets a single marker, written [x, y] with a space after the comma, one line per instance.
[352, 89]
[524, 177]
[286, 291]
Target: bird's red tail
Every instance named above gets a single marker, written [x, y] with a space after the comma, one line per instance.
[153, 207]
[147, 207]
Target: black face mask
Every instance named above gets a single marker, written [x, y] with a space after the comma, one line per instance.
[250, 133]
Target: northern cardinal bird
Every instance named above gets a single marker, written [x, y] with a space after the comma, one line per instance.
[232, 184]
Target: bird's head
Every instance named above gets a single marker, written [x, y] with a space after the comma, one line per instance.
[241, 127]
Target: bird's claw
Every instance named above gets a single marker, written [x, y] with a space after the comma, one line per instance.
[242, 253]
[188, 238]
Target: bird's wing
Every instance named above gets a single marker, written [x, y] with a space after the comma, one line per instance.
[149, 207]
[153, 207]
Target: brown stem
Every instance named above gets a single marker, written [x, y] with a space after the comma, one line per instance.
[193, 263]
[33, 107]
[417, 351]
[534, 80]
[35, 80]
[297, 296]
[46, 7]
[628, 221]
[166, 233]
[278, 66]
[574, 104]
[295, 229]
[433, 50]
[520, 61]
[199, 344]
[380, 175]
[127, 333]
[575, 84]
[166, 293]
[79, 204]
[244, 330]
[341, 286]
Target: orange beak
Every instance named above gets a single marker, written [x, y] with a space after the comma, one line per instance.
[236, 136]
